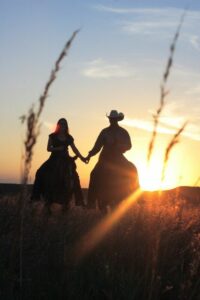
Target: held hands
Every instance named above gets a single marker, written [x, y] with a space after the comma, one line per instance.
[85, 159]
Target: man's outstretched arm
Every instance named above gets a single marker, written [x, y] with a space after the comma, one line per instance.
[97, 146]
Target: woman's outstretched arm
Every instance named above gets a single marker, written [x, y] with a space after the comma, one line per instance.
[76, 151]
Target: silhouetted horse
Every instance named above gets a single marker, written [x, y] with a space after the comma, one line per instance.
[112, 181]
[56, 181]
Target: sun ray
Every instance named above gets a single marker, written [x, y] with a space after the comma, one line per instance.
[96, 235]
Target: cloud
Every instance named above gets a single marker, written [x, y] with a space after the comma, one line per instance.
[195, 91]
[195, 41]
[146, 11]
[145, 125]
[171, 120]
[161, 12]
[192, 131]
[101, 69]
[186, 72]
[156, 20]
[147, 27]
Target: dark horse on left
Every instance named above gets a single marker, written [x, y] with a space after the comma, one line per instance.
[57, 179]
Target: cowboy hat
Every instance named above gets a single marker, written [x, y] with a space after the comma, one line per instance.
[115, 115]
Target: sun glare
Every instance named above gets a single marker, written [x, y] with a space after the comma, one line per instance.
[150, 176]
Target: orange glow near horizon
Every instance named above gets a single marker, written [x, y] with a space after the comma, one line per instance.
[150, 174]
[182, 169]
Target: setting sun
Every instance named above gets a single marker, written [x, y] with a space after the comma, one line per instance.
[150, 176]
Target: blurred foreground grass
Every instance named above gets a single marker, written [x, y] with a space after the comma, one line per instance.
[152, 253]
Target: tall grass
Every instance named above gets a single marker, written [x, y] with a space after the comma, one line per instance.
[172, 143]
[32, 121]
[151, 254]
[163, 90]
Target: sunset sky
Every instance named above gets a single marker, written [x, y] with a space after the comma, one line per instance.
[116, 62]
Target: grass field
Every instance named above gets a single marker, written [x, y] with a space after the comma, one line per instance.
[152, 253]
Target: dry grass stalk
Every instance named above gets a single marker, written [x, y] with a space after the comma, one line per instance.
[32, 131]
[173, 142]
[163, 90]
[33, 117]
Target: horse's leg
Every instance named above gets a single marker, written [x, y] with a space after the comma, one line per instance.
[66, 206]
[92, 189]
[102, 198]
[67, 197]
[47, 208]
[37, 186]
[102, 207]
[78, 194]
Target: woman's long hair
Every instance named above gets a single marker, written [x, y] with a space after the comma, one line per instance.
[61, 122]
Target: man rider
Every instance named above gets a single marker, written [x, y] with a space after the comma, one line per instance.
[113, 141]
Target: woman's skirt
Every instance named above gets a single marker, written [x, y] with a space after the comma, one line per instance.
[56, 180]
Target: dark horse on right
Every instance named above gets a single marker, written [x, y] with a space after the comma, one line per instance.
[113, 178]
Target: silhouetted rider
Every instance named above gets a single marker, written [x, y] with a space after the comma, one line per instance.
[113, 141]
